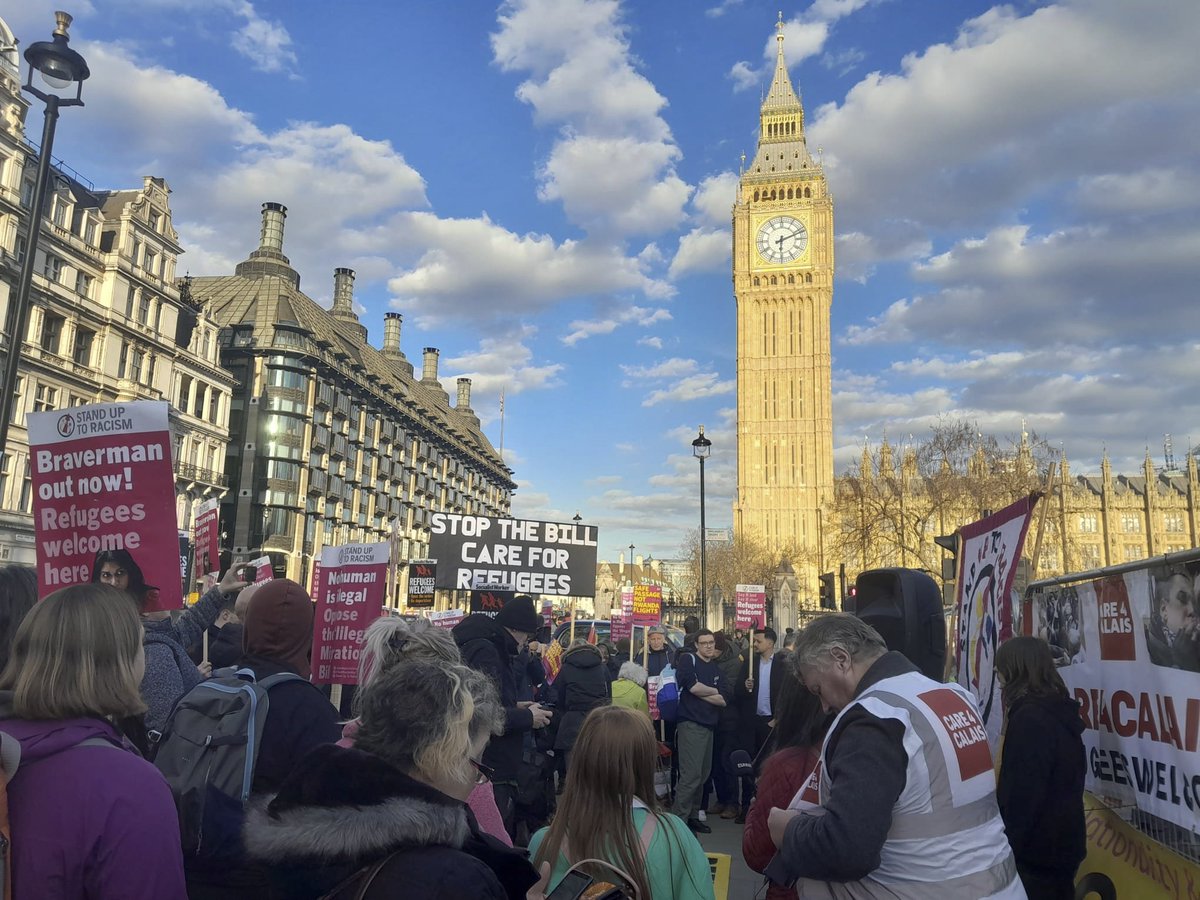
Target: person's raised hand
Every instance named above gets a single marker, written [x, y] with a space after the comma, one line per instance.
[232, 581]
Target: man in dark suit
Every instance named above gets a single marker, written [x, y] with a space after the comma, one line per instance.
[758, 692]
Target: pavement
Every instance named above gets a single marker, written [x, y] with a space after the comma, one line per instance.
[726, 837]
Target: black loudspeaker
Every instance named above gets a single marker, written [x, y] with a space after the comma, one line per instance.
[185, 326]
[905, 607]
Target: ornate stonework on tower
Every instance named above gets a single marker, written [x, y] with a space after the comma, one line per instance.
[783, 285]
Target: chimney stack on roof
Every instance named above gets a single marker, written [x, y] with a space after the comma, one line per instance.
[343, 293]
[464, 395]
[271, 237]
[268, 259]
[391, 333]
[429, 373]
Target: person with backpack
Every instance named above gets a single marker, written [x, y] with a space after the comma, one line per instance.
[277, 643]
[582, 685]
[170, 672]
[388, 818]
[609, 812]
[86, 815]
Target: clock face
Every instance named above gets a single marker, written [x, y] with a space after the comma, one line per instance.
[782, 239]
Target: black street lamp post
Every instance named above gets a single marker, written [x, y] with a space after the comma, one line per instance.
[59, 67]
[701, 447]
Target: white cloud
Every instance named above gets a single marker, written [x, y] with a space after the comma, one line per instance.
[583, 79]
[804, 36]
[701, 250]
[714, 199]
[581, 329]
[669, 368]
[700, 386]
[715, 12]
[502, 362]
[267, 44]
[1155, 190]
[655, 343]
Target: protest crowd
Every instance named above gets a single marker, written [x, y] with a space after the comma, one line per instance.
[187, 754]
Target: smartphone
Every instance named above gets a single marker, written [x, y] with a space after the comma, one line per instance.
[571, 887]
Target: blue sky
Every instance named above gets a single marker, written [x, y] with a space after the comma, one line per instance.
[543, 187]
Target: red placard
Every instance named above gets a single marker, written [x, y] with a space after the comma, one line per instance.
[352, 590]
[102, 481]
[750, 606]
[206, 544]
[647, 605]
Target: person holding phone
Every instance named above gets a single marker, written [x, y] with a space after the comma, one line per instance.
[608, 811]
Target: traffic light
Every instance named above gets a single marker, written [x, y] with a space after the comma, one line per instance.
[949, 543]
[904, 606]
[828, 595]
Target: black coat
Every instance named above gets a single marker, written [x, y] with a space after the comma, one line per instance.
[343, 810]
[582, 685]
[488, 648]
[1040, 790]
[747, 701]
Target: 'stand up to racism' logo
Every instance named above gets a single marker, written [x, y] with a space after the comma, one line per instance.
[66, 425]
[965, 729]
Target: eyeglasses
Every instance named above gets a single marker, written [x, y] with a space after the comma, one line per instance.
[483, 774]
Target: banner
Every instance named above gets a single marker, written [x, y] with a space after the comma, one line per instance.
[103, 482]
[533, 557]
[1128, 648]
[621, 626]
[987, 562]
[447, 618]
[353, 584]
[750, 606]
[548, 614]
[185, 563]
[421, 576]
[647, 605]
[315, 589]
[206, 545]
[488, 601]
[1124, 864]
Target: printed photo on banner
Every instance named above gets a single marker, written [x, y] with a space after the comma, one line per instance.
[1138, 697]
[1058, 618]
[104, 500]
[353, 588]
[1172, 635]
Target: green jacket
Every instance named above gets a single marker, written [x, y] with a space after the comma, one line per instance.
[627, 694]
[676, 863]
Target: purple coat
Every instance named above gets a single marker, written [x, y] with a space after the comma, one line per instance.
[94, 822]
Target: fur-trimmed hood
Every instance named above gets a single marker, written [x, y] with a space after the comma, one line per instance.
[344, 804]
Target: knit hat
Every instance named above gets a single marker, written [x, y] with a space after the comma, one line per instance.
[519, 615]
[279, 626]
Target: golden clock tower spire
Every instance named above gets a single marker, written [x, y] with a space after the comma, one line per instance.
[783, 285]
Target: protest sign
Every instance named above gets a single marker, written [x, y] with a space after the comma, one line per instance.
[621, 626]
[206, 543]
[185, 563]
[532, 557]
[447, 618]
[647, 605]
[489, 601]
[750, 606]
[102, 481]
[263, 570]
[987, 563]
[317, 587]
[548, 613]
[422, 574]
[354, 584]
[1128, 649]
[1124, 864]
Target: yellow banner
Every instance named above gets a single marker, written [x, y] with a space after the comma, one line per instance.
[1124, 864]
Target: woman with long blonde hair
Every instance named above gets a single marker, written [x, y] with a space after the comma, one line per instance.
[608, 812]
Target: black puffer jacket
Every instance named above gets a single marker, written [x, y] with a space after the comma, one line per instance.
[342, 810]
[1040, 790]
[488, 648]
[582, 685]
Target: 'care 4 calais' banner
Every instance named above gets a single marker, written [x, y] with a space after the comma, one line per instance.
[206, 544]
[352, 591]
[1128, 648]
[750, 606]
[987, 563]
[533, 557]
[103, 482]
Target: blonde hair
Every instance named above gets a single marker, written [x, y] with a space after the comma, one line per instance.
[76, 655]
[391, 640]
[424, 717]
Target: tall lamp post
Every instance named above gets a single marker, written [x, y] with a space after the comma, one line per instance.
[631, 577]
[59, 67]
[701, 447]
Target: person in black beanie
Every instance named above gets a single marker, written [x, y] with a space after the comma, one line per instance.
[489, 645]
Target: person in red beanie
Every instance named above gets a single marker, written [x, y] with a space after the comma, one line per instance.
[276, 637]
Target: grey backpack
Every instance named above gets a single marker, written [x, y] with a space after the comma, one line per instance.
[207, 753]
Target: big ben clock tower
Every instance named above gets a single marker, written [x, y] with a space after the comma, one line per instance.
[783, 285]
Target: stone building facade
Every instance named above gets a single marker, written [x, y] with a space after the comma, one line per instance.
[333, 440]
[108, 319]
